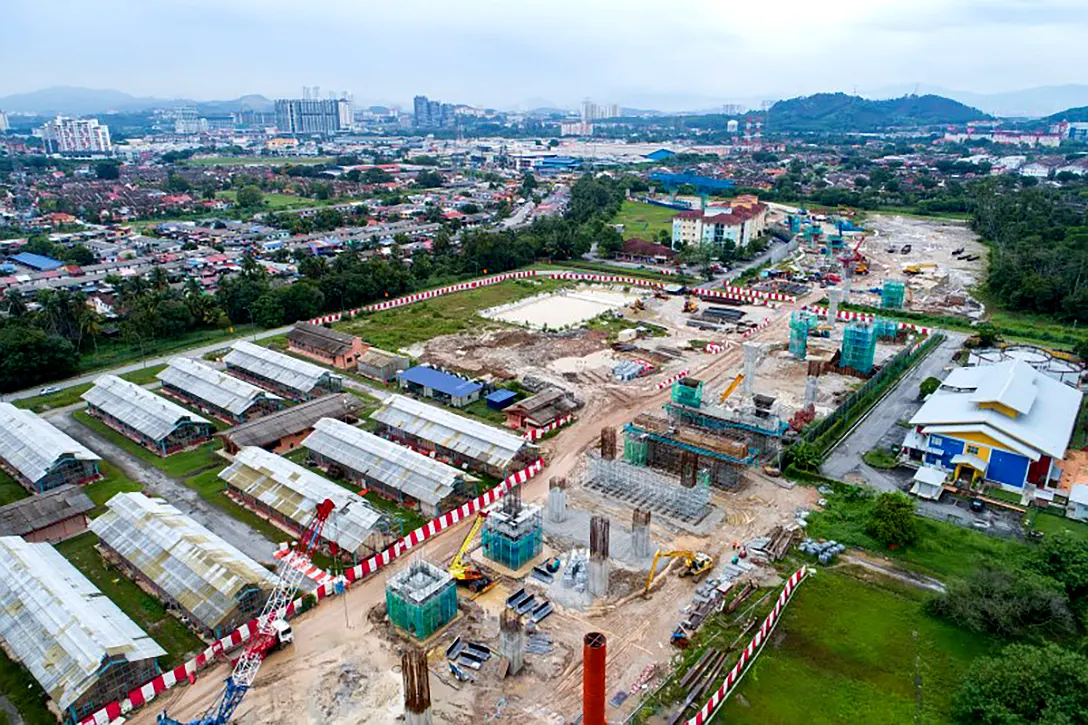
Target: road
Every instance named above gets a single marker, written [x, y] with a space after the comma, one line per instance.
[188, 501]
[161, 360]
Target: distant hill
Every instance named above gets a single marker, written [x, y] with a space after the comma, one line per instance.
[1026, 102]
[74, 101]
[1069, 114]
[840, 112]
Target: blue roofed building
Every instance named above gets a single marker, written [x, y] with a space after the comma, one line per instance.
[660, 155]
[37, 262]
[1007, 425]
[444, 387]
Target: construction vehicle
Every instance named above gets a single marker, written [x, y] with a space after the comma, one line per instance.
[463, 570]
[731, 387]
[855, 261]
[917, 268]
[553, 564]
[690, 306]
[696, 563]
[906, 249]
[272, 628]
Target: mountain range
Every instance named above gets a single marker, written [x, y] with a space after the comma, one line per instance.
[840, 112]
[1026, 103]
[72, 101]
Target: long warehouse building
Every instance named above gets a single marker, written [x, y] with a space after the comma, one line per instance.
[80, 647]
[282, 374]
[216, 393]
[290, 494]
[214, 584]
[460, 440]
[285, 430]
[38, 455]
[389, 469]
[154, 422]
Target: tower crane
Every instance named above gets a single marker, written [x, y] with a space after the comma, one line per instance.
[271, 624]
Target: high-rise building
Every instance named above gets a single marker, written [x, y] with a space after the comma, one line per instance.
[76, 135]
[594, 112]
[311, 116]
[4, 122]
[432, 114]
[188, 121]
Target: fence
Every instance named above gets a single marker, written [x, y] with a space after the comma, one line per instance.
[823, 432]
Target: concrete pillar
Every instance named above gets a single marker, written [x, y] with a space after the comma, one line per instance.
[417, 687]
[597, 583]
[836, 296]
[511, 640]
[640, 533]
[557, 500]
[753, 353]
[811, 387]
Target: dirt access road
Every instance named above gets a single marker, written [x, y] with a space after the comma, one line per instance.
[344, 667]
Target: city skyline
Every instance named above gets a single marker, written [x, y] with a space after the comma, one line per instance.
[494, 55]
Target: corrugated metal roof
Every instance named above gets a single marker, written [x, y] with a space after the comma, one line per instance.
[437, 380]
[140, 409]
[58, 625]
[465, 436]
[295, 492]
[395, 466]
[283, 369]
[1046, 426]
[320, 337]
[194, 566]
[43, 509]
[270, 428]
[221, 390]
[32, 446]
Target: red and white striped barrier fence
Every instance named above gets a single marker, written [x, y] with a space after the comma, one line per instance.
[748, 656]
[535, 434]
[748, 333]
[714, 348]
[182, 673]
[672, 379]
[851, 316]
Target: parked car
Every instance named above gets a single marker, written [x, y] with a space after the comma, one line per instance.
[49, 390]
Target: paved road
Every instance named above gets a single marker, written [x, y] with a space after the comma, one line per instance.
[161, 360]
[189, 502]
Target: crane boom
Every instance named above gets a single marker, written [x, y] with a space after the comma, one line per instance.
[291, 572]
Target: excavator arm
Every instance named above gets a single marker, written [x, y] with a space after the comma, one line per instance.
[458, 568]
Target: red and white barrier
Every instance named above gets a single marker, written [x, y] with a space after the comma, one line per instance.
[672, 379]
[851, 316]
[535, 434]
[160, 684]
[748, 656]
[714, 348]
[315, 573]
[748, 333]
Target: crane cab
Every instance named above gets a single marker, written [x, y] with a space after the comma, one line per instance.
[284, 634]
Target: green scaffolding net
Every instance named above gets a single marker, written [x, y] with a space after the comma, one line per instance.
[421, 599]
[859, 347]
[513, 552]
[688, 391]
[893, 293]
[635, 449]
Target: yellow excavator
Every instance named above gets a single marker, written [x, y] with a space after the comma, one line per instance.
[917, 268]
[696, 563]
[463, 570]
[731, 387]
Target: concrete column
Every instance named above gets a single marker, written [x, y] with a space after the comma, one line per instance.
[557, 500]
[511, 640]
[597, 583]
[640, 533]
[811, 386]
[835, 295]
[753, 353]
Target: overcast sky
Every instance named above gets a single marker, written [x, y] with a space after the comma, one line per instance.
[505, 53]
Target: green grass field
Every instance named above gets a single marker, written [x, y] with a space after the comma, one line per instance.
[71, 395]
[848, 650]
[644, 220]
[113, 482]
[179, 465]
[279, 202]
[143, 608]
[24, 692]
[258, 160]
[422, 321]
[115, 353]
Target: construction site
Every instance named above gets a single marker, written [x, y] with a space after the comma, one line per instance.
[567, 592]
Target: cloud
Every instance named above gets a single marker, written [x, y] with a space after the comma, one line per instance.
[500, 53]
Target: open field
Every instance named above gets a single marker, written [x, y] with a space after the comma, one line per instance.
[644, 221]
[258, 160]
[71, 396]
[179, 465]
[409, 325]
[848, 650]
[143, 608]
[114, 354]
[278, 202]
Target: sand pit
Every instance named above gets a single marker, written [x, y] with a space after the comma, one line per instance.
[560, 309]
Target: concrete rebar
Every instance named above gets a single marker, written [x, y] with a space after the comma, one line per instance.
[511, 640]
[417, 687]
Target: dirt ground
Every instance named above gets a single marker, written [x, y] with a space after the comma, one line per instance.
[344, 666]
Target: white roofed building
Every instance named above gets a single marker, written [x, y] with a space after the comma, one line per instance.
[282, 374]
[290, 494]
[217, 586]
[385, 467]
[80, 647]
[216, 393]
[453, 437]
[152, 421]
[38, 455]
[1006, 424]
